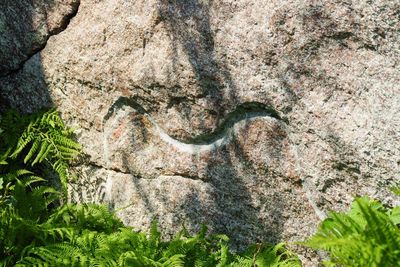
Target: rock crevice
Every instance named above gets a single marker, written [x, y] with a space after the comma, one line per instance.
[42, 19]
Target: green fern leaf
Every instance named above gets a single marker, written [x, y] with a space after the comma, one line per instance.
[44, 146]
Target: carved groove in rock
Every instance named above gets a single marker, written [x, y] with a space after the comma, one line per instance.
[206, 141]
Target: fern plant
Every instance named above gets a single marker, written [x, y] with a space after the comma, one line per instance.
[24, 206]
[37, 138]
[27, 141]
[126, 247]
[367, 235]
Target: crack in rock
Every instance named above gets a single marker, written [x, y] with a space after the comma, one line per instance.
[98, 166]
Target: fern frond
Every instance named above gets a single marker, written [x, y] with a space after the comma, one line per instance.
[365, 236]
[41, 155]
[23, 141]
[35, 146]
[44, 136]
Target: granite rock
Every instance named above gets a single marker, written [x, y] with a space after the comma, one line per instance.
[255, 117]
[25, 27]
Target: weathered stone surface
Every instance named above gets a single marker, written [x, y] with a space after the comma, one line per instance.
[255, 117]
[25, 27]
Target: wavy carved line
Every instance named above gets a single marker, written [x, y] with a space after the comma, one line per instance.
[222, 135]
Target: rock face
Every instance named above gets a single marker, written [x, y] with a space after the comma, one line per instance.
[255, 117]
[25, 27]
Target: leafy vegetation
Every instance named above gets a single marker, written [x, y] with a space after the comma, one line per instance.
[37, 138]
[367, 235]
[37, 230]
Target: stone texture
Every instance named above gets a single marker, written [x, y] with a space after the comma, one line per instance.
[25, 27]
[255, 117]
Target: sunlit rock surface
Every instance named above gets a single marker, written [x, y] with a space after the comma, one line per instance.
[254, 117]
